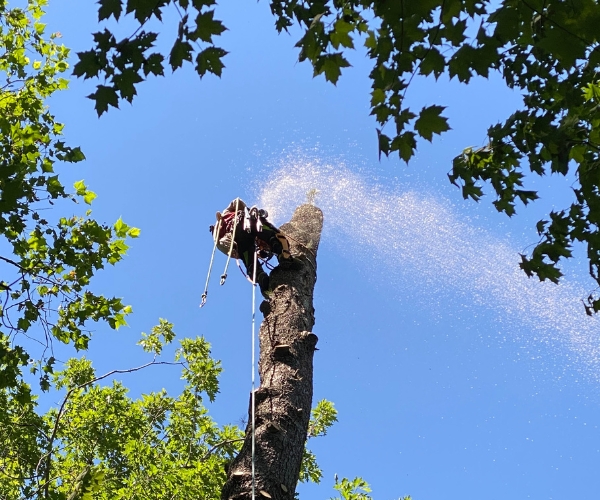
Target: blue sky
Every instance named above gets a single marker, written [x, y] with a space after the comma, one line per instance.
[454, 376]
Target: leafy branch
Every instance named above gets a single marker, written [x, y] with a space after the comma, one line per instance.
[48, 456]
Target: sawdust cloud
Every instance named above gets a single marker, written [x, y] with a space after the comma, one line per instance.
[447, 254]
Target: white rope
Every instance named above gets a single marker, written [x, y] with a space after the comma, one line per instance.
[224, 275]
[253, 370]
[216, 230]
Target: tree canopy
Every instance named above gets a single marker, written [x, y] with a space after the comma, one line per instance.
[48, 260]
[101, 443]
[546, 50]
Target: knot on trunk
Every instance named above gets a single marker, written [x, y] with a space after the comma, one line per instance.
[286, 353]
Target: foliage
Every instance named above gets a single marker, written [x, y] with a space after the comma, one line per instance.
[548, 51]
[100, 443]
[47, 265]
[322, 417]
[125, 63]
[356, 489]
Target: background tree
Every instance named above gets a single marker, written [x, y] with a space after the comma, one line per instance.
[49, 258]
[548, 51]
[101, 443]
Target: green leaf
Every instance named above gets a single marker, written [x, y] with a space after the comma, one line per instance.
[133, 232]
[159, 336]
[460, 64]
[154, 64]
[371, 41]
[109, 8]
[331, 65]
[209, 61]
[73, 155]
[310, 472]
[144, 9]
[88, 65]
[340, 35]
[431, 122]
[80, 187]
[323, 416]
[566, 47]
[383, 143]
[356, 489]
[39, 28]
[433, 62]
[105, 41]
[104, 96]
[377, 97]
[47, 165]
[405, 144]
[121, 228]
[126, 82]
[591, 91]
[181, 51]
[89, 197]
[207, 26]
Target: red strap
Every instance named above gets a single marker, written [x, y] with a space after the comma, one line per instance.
[226, 223]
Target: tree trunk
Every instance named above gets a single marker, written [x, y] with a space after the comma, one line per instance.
[284, 398]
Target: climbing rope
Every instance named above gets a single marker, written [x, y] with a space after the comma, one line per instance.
[264, 262]
[204, 296]
[253, 370]
[235, 219]
[212, 258]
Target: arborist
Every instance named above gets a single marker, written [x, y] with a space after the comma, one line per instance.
[240, 232]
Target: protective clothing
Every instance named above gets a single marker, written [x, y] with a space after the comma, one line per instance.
[251, 232]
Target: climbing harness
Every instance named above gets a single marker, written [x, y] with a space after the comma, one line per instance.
[263, 262]
[235, 219]
[212, 258]
[258, 214]
[263, 250]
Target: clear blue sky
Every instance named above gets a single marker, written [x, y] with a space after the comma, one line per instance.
[454, 376]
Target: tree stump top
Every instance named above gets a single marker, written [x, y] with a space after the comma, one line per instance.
[305, 227]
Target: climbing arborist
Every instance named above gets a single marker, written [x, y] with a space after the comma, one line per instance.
[241, 231]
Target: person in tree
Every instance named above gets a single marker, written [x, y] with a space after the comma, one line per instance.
[241, 231]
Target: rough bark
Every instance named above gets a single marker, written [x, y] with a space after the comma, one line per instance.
[284, 397]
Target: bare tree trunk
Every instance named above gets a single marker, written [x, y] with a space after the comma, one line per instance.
[284, 398]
